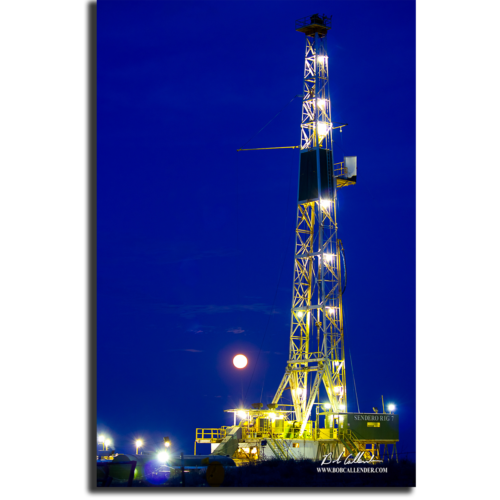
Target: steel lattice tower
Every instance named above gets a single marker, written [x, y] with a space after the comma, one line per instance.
[317, 332]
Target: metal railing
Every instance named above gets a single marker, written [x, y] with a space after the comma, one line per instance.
[339, 171]
[212, 434]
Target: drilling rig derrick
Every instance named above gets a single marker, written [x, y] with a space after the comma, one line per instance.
[308, 416]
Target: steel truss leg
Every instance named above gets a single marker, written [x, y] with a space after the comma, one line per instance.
[281, 388]
[312, 396]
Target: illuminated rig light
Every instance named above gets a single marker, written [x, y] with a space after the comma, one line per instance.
[138, 443]
[328, 256]
[325, 204]
[321, 59]
[272, 416]
[342, 407]
[327, 406]
[100, 439]
[302, 392]
[321, 103]
[300, 314]
[338, 389]
[242, 414]
[323, 129]
[167, 444]
[331, 311]
[163, 456]
[107, 442]
[391, 408]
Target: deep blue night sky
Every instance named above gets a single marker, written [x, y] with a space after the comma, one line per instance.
[195, 240]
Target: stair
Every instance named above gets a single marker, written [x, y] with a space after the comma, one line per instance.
[276, 449]
[349, 443]
[280, 451]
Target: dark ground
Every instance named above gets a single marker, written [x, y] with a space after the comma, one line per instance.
[303, 473]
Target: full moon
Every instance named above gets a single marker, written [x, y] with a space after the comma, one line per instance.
[240, 361]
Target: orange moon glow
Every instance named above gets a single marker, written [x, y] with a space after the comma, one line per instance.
[240, 361]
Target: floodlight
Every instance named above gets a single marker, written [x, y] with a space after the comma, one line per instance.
[323, 128]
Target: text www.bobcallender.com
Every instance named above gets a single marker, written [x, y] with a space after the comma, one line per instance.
[351, 470]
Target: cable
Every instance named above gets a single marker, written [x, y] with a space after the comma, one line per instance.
[298, 95]
[342, 251]
[268, 322]
[282, 265]
[238, 277]
[340, 146]
[275, 293]
[352, 369]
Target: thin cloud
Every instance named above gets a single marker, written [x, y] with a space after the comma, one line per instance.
[190, 311]
[238, 329]
[197, 328]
